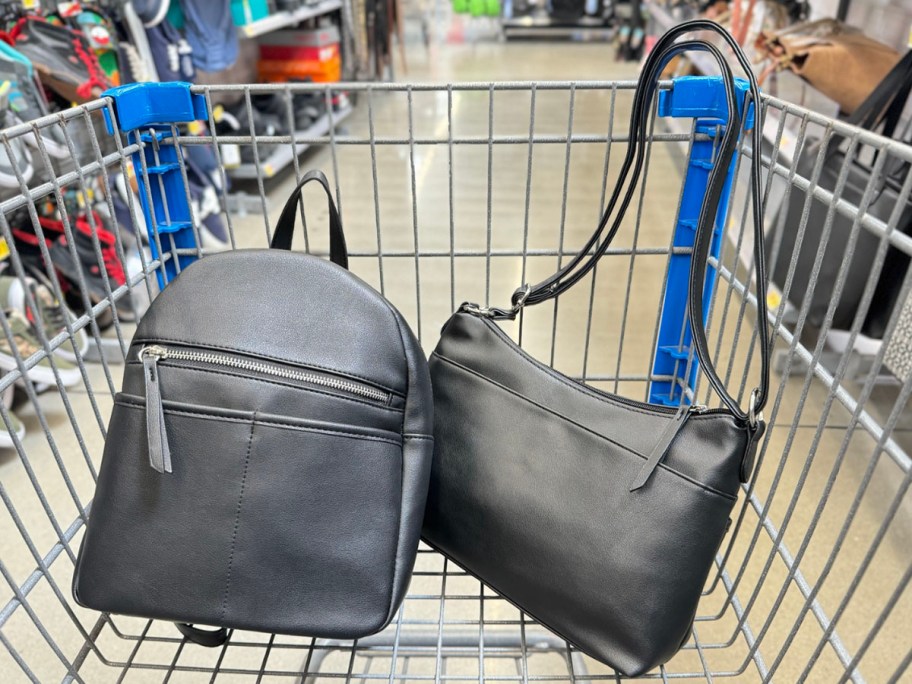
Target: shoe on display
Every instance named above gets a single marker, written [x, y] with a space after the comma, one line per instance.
[26, 101]
[206, 207]
[85, 263]
[62, 57]
[276, 104]
[124, 196]
[107, 227]
[20, 162]
[98, 31]
[313, 101]
[51, 315]
[235, 120]
[25, 342]
[14, 426]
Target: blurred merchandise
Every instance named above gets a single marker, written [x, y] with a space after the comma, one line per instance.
[838, 60]
[248, 11]
[301, 55]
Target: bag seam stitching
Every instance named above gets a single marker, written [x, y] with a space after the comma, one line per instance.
[586, 392]
[237, 518]
[397, 549]
[302, 428]
[686, 478]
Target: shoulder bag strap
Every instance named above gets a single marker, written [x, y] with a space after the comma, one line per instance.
[583, 262]
[203, 637]
[281, 239]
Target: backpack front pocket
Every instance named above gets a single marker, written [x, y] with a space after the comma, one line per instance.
[262, 507]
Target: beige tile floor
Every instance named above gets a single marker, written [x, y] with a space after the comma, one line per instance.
[620, 342]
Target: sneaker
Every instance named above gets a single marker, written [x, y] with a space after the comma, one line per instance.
[116, 269]
[206, 208]
[234, 120]
[304, 114]
[17, 164]
[122, 199]
[26, 101]
[85, 262]
[28, 247]
[8, 429]
[51, 315]
[26, 343]
[62, 57]
[98, 31]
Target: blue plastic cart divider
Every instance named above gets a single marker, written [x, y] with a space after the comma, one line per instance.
[145, 111]
[702, 98]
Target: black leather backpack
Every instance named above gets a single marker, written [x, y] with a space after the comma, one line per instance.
[266, 464]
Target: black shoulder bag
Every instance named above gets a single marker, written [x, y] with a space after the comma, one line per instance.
[597, 515]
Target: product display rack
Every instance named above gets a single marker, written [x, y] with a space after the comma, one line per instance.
[586, 28]
[283, 155]
[272, 162]
[286, 18]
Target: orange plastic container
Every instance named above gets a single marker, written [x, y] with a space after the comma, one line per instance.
[299, 55]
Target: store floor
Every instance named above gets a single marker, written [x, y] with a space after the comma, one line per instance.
[377, 186]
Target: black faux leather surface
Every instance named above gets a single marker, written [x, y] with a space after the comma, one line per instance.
[328, 319]
[291, 508]
[543, 513]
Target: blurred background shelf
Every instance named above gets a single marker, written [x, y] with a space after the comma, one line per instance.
[284, 153]
[285, 18]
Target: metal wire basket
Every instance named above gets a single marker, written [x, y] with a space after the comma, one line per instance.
[453, 193]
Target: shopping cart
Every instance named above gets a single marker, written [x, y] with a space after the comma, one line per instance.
[462, 192]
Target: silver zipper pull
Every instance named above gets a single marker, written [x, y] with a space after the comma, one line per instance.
[156, 435]
[659, 450]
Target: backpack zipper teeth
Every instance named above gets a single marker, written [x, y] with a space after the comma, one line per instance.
[266, 369]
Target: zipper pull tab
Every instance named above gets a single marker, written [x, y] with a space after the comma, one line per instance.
[157, 437]
[665, 439]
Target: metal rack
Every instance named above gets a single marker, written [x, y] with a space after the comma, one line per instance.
[282, 155]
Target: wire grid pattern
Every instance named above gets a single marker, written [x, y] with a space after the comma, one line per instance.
[462, 192]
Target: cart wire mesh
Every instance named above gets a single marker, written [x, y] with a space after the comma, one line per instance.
[462, 192]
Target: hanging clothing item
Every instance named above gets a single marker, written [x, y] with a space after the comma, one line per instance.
[211, 33]
[172, 53]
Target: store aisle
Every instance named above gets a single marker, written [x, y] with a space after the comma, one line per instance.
[393, 195]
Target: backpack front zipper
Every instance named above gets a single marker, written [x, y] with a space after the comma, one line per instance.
[159, 451]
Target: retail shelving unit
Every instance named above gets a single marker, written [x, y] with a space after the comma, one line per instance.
[283, 155]
[586, 28]
[274, 161]
[285, 18]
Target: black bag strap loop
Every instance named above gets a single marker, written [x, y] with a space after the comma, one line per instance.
[281, 239]
[210, 638]
[583, 262]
